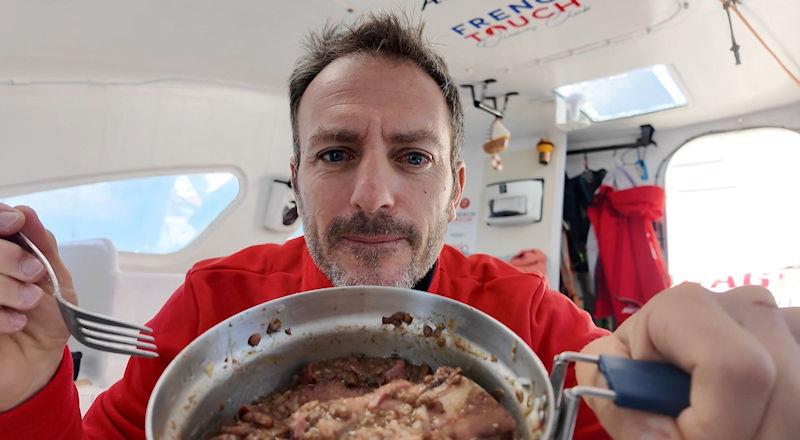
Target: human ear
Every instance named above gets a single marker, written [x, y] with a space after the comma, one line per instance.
[458, 190]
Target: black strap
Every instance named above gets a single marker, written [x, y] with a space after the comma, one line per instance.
[76, 363]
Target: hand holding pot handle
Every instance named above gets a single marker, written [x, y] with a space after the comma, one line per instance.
[652, 386]
[740, 349]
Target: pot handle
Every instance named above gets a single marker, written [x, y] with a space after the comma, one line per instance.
[656, 387]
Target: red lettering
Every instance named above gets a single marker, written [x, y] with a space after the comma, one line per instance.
[731, 283]
[537, 13]
[511, 22]
[764, 280]
[474, 36]
[492, 28]
[571, 3]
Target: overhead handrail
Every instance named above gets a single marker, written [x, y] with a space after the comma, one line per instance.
[645, 139]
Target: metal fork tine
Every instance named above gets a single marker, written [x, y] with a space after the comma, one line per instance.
[87, 327]
[114, 348]
[100, 336]
[102, 319]
[114, 330]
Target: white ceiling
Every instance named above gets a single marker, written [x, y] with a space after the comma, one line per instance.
[253, 43]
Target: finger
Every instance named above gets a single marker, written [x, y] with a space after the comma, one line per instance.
[732, 374]
[792, 317]
[755, 309]
[18, 263]
[11, 321]
[36, 232]
[46, 242]
[620, 423]
[19, 296]
[11, 220]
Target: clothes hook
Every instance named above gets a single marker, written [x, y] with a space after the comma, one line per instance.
[641, 165]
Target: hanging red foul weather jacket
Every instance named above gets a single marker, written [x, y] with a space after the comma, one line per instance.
[631, 267]
[217, 289]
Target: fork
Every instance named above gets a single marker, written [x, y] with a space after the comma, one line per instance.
[93, 329]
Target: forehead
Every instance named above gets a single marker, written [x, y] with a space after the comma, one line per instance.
[357, 91]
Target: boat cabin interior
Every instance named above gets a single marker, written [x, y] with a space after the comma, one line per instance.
[151, 135]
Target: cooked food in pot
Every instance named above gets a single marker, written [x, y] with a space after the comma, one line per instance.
[373, 398]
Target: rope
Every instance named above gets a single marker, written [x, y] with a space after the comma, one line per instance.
[732, 5]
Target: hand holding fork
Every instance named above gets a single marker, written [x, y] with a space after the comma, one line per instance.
[38, 312]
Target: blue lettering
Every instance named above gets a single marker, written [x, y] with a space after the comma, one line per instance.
[459, 28]
[427, 2]
[478, 22]
[498, 15]
[523, 5]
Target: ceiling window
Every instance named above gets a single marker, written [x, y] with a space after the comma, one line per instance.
[149, 215]
[627, 94]
[732, 211]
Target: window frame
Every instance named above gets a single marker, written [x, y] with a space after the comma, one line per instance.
[660, 178]
[17, 190]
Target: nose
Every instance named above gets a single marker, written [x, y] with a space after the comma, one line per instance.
[374, 186]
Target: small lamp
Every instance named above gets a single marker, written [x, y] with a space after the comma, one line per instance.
[544, 148]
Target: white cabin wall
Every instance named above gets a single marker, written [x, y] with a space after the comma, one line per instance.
[671, 139]
[55, 135]
[520, 162]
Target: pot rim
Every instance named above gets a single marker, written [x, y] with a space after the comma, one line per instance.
[549, 416]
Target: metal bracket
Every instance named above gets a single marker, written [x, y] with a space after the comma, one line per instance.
[567, 402]
[483, 102]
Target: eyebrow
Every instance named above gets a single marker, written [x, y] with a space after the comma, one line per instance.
[414, 137]
[328, 135]
[332, 135]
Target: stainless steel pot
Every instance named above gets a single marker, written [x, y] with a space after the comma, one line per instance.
[220, 370]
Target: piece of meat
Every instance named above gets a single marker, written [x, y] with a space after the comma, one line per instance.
[396, 371]
[358, 397]
[461, 409]
[447, 406]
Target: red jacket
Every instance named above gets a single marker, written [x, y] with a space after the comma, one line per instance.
[217, 289]
[631, 265]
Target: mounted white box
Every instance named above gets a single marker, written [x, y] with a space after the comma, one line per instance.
[516, 202]
[281, 214]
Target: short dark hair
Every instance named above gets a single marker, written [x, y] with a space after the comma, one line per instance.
[384, 35]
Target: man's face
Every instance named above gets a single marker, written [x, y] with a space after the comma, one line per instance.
[374, 180]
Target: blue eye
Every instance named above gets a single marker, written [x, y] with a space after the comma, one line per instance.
[334, 156]
[416, 159]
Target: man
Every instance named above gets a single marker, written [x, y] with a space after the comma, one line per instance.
[377, 171]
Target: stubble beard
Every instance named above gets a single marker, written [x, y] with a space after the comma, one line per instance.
[325, 249]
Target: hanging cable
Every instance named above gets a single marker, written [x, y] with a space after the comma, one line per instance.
[734, 46]
[731, 4]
